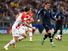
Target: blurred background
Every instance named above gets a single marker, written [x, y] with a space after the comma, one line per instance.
[9, 9]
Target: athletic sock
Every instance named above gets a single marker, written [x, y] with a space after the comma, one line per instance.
[10, 43]
[30, 36]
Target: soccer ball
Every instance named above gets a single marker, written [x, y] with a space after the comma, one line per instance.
[58, 37]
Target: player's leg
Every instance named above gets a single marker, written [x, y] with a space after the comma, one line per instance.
[50, 36]
[54, 33]
[22, 36]
[30, 33]
[61, 33]
[56, 29]
[45, 36]
[33, 30]
[46, 33]
[22, 33]
[11, 42]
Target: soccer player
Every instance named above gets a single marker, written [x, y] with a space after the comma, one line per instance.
[18, 31]
[30, 30]
[46, 16]
[30, 20]
[59, 23]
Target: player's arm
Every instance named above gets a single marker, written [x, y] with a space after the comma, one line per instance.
[18, 20]
[39, 14]
[51, 16]
[26, 24]
[57, 13]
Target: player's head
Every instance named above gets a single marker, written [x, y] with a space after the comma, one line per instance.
[47, 5]
[27, 9]
[61, 9]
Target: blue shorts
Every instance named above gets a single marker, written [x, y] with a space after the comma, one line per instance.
[47, 27]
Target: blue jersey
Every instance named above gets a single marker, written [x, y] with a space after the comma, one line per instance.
[46, 16]
[60, 17]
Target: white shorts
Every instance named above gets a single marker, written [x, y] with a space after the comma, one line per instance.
[22, 30]
[18, 32]
[15, 32]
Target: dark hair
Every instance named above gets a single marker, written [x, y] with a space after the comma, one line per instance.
[47, 3]
[27, 9]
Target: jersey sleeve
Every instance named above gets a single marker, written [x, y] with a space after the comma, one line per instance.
[23, 16]
[18, 20]
[38, 13]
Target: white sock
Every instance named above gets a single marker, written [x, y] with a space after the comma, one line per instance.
[10, 43]
[7, 45]
[30, 36]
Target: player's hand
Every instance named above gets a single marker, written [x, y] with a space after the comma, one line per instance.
[38, 20]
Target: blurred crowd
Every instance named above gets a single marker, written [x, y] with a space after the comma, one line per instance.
[9, 8]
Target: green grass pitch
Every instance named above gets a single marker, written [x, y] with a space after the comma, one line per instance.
[25, 45]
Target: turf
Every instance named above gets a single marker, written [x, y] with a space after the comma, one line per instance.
[35, 45]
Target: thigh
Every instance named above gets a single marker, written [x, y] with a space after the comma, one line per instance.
[15, 38]
[49, 35]
[15, 32]
[22, 30]
[47, 27]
